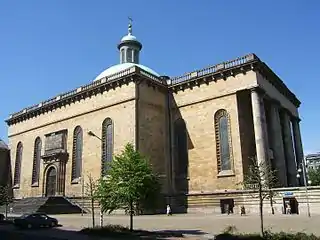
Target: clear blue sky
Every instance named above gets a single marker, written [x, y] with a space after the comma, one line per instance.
[48, 47]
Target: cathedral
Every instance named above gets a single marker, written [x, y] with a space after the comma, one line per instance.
[199, 130]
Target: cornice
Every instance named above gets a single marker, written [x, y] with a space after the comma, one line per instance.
[231, 68]
[275, 80]
[213, 73]
[133, 74]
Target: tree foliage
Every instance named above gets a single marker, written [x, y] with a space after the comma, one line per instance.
[314, 176]
[130, 182]
[261, 179]
[6, 196]
[90, 192]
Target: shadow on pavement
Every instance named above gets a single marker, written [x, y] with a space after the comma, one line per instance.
[9, 231]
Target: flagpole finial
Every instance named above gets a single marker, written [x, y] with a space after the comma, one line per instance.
[130, 26]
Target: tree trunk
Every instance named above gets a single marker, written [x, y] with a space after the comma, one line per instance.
[6, 213]
[131, 216]
[261, 211]
[271, 203]
[92, 212]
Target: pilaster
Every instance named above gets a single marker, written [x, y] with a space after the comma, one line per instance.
[289, 152]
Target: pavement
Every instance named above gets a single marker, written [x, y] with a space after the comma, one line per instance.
[193, 226]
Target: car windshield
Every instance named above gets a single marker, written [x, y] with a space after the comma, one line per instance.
[24, 215]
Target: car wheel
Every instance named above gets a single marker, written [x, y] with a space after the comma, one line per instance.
[53, 224]
[29, 226]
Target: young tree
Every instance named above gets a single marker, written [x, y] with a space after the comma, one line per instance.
[91, 187]
[314, 176]
[6, 197]
[130, 182]
[261, 178]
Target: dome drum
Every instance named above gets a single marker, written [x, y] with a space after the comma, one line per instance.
[133, 43]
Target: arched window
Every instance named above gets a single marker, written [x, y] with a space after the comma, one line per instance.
[223, 140]
[107, 145]
[17, 167]
[77, 154]
[36, 162]
[181, 148]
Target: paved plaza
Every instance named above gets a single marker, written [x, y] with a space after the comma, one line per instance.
[201, 224]
[193, 226]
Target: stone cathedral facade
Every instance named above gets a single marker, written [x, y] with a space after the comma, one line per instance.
[198, 129]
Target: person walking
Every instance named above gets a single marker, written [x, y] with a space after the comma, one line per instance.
[169, 213]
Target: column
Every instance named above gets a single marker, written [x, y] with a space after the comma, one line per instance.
[259, 125]
[277, 144]
[298, 146]
[289, 152]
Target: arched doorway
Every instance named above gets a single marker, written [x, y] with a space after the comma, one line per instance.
[51, 182]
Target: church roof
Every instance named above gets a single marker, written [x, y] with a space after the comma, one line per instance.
[121, 67]
[3, 145]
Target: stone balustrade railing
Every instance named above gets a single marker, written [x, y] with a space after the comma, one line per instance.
[89, 86]
[209, 70]
[135, 69]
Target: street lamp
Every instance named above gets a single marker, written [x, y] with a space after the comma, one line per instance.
[92, 134]
[305, 182]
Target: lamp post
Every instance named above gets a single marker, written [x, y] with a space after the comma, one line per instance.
[92, 134]
[305, 182]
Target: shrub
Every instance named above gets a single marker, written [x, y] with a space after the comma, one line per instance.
[267, 236]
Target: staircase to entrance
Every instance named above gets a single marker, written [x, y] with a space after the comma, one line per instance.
[48, 205]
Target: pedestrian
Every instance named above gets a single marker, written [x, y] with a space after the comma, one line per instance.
[242, 210]
[169, 213]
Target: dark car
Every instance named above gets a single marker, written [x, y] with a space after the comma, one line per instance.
[1, 217]
[35, 220]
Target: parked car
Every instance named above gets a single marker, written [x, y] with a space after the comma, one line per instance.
[35, 220]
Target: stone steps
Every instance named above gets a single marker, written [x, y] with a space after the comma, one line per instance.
[49, 205]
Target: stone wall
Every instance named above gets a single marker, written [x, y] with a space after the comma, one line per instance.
[118, 104]
[197, 107]
[210, 202]
[153, 135]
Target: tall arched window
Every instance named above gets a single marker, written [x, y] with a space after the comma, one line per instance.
[17, 167]
[223, 140]
[181, 148]
[77, 154]
[107, 145]
[36, 162]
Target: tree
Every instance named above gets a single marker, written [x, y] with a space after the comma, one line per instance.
[6, 196]
[261, 179]
[91, 188]
[130, 182]
[314, 176]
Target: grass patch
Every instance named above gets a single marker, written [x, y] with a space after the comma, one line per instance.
[118, 231]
